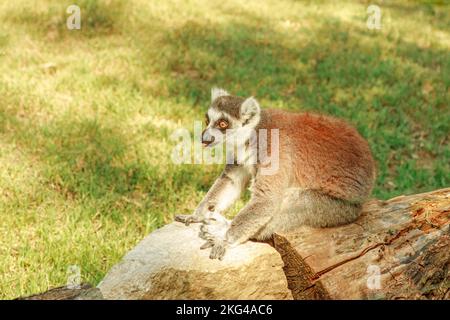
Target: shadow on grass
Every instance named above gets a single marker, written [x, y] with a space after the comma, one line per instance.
[85, 160]
[331, 70]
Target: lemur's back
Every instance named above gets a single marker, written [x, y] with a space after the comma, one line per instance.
[326, 153]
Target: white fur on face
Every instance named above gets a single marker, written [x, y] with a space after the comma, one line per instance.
[214, 115]
[210, 131]
[208, 135]
[241, 132]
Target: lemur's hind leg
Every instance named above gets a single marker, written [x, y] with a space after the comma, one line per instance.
[319, 209]
[312, 208]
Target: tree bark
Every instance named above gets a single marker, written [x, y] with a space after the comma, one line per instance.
[397, 249]
[83, 292]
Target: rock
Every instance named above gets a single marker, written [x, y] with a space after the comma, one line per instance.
[168, 264]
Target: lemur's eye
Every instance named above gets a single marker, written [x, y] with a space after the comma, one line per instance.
[222, 124]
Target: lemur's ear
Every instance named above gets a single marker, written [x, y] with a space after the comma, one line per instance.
[217, 92]
[249, 108]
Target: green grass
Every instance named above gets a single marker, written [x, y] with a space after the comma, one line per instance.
[86, 116]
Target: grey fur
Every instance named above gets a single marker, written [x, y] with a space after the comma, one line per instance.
[229, 104]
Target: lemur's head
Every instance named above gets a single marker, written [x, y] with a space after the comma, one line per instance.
[230, 117]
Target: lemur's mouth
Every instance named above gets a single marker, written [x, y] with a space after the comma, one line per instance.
[208, 143]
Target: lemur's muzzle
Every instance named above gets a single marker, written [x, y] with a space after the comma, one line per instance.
[206, 141]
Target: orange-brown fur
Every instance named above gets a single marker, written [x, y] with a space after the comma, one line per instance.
[328, 154]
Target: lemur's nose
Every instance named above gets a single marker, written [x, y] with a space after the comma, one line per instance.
[207, 142]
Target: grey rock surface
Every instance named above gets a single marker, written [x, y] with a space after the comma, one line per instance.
[168, 264]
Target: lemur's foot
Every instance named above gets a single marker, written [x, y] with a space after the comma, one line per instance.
[218, 248]
[187, 219]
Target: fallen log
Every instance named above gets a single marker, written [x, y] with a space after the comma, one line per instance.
[83, 292]
[398, 249]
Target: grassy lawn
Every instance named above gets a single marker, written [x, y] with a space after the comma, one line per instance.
[86, 115]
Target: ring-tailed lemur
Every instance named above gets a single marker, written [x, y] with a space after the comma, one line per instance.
[326, 172]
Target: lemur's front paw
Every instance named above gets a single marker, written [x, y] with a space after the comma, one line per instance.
[218, 248]
[214, 228]
[187, 219]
